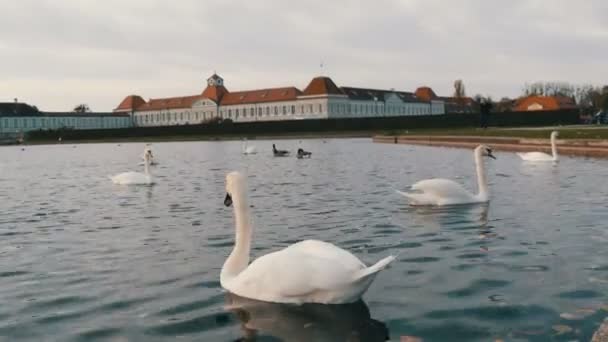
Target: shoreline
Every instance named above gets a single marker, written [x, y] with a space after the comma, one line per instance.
[571, 147]
[227, 137]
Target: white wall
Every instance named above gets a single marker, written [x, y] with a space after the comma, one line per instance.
[30, 123]
[305, 107]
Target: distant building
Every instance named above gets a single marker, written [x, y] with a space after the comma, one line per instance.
[451, 104]
[321, 99]
[18, 117]
[536, 102]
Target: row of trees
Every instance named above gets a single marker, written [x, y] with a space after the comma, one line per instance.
[587, 96]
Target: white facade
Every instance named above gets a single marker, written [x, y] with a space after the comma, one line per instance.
[21, 124]
[301, 107]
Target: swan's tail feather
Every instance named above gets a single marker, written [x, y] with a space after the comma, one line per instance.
[375, 268]
[415, 198]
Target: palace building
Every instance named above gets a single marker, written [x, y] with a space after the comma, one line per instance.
[321, 99]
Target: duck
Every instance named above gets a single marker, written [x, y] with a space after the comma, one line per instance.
[542, 156]
[135, 178]
[439, 191]
[303, 154]
[309, 271]
[279, 153]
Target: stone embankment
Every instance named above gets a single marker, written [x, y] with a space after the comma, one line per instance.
[572, 147]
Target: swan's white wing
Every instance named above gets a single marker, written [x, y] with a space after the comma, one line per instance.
[535, 156]
[127, 178]
[297, 271]
[439, 191]
[439, 187]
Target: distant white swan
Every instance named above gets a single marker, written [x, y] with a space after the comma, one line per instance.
[440, 191]
[309, 271]
[148, 152]
[135, 178]
[541, 156]
[249, 149]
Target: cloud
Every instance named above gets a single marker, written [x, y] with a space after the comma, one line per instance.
[56, 54]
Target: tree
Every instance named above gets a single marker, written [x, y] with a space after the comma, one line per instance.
[82, 108]
[459, 91]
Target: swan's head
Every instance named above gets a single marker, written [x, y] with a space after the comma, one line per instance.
[554, 134]
[485, 151]
[235, 183]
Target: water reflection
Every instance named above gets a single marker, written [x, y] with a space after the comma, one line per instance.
[308, 322]
[466, 216]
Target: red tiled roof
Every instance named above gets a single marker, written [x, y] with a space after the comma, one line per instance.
[465, 101]
[322, 86]
[215, 93]
[425, 93]
[545, 102]
[130, 102]
[170, 103]
[261, 95]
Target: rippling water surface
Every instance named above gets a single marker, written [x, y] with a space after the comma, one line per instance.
[82, 259]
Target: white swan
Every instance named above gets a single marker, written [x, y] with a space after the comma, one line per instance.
[135, 178]
[541, 156]
[440, 191]
[249, 149]
[309, 271]
[148, 152]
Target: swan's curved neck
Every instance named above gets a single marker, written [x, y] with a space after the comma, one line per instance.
[147, 166]
[482, 183]
[553, 147]
[239, 258]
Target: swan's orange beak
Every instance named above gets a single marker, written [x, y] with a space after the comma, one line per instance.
[228, 200]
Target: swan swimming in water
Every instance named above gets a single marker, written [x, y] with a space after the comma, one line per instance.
[135, 178]
[148, 152]
[438, 191]
[541, 156]
[309, 271]
[249, 149]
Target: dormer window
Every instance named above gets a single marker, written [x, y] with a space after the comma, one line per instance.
[215, 80]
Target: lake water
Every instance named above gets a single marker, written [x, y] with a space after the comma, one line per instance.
[82, 259]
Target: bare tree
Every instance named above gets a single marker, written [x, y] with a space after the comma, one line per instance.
[82, 108]
[459, 91]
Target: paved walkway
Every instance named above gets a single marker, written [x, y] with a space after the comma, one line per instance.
[573, 147]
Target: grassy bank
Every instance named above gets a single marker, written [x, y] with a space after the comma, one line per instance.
[565, 132]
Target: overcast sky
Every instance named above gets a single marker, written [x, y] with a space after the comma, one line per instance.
[58, 53]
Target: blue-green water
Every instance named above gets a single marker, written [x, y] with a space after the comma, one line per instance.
[82, 259]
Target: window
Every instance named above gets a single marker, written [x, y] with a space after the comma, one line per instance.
[293, 109]
[284, 110]
[320, 108]
[276, 110]
[267, 111]
[236, 113]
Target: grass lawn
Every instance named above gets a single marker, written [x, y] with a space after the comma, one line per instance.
[565, 132]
